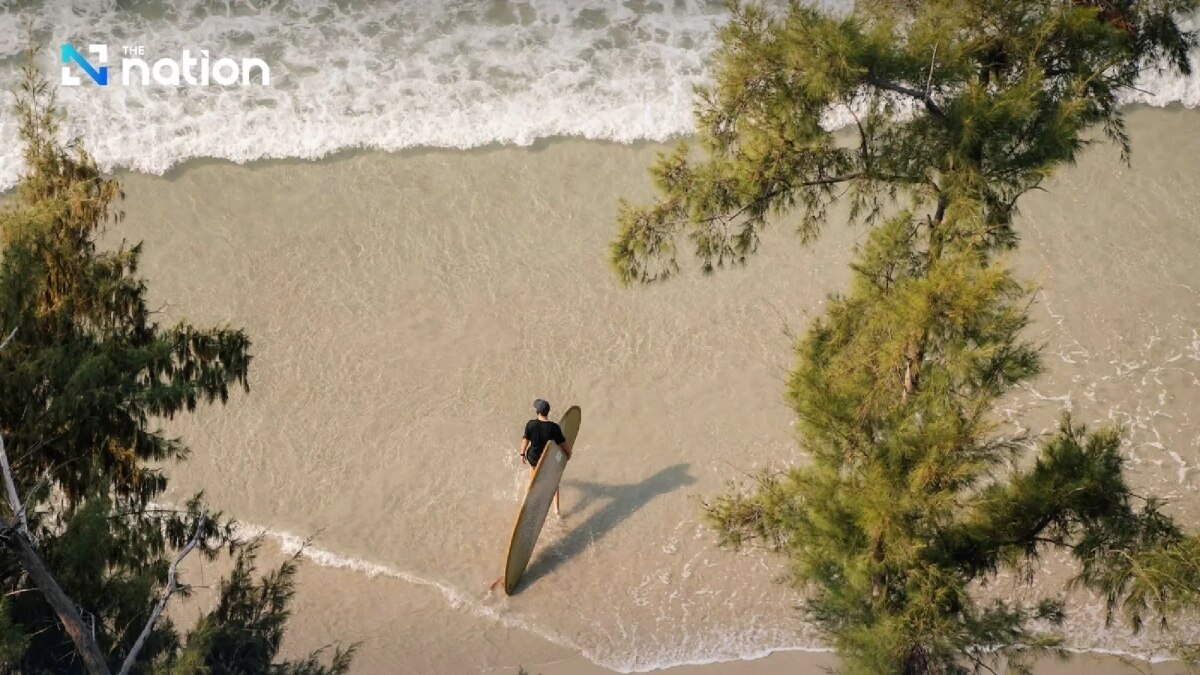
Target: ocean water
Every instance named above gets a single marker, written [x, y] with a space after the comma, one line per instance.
[387, 75]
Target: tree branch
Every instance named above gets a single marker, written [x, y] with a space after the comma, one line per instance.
[932, 63]
[15, 535]
[979, 663]
[8, 339]
[172, 587]
[922, 96]
[14, 502]
[85, 643]
[725, 218]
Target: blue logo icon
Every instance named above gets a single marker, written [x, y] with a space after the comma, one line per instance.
[98, 75]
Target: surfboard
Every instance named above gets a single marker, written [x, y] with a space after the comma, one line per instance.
[533, 511]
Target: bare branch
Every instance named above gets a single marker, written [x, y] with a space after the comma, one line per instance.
[8, 339]
[172, 588]
[14, 502]
[932, 63]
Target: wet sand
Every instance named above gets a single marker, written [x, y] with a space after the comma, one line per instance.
[406, 309]
[394, 641]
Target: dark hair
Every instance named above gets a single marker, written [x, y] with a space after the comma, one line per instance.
[542, 406]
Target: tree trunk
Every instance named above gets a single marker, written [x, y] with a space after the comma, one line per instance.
[59, 601]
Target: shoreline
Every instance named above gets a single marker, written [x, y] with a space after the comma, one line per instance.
[769, 660]
[776, 660]
[540, 144]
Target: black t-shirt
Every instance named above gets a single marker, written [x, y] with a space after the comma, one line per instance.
[539, 433]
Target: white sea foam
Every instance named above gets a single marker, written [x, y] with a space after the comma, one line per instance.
[736, 647]
[732, 646]
[356, 74]
[745, 646]
[455, 598]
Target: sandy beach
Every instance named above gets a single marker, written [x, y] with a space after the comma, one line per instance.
[398, 641]
[407, 307]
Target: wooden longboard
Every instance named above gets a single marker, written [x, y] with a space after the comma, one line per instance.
[533, 511]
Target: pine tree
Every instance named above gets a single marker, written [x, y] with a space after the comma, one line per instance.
[86, 374]
[913, 495]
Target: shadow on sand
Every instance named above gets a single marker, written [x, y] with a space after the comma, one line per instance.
[621, 501]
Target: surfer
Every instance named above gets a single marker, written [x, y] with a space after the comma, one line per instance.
[539, 432]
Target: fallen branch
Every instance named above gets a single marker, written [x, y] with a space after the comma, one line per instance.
[15, 536]
[17, 542]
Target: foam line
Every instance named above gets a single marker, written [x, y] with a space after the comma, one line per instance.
[462, 601]
[291, 544]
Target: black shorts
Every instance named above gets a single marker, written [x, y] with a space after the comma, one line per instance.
[533, 456]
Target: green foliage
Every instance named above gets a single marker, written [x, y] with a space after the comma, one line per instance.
[244, 632]
[914, 495]
[13, 641]
[999, 93]
[894, 389]
[86, 374]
